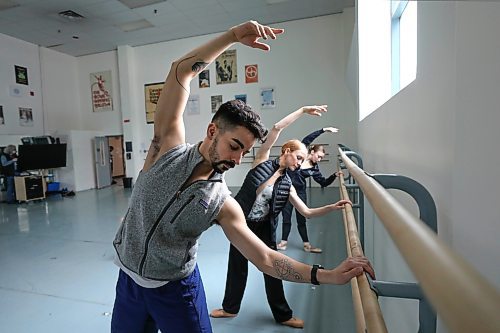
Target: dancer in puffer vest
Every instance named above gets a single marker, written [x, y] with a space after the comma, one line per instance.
[265, 191]
[309, 168]
[181, 192]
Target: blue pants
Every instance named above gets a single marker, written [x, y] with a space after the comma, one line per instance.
[177, 307]
[11, 189]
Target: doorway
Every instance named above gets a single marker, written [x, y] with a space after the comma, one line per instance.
[116, 158]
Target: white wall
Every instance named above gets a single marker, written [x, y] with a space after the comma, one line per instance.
[79, 173]
[475, 183]
[68, 111]
[61, 104]
[108, 121]
[61, 95]
[10, 140]
[16, 52]
[441, 131]
[303, 69]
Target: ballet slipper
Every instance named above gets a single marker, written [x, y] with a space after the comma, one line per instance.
[282, 245]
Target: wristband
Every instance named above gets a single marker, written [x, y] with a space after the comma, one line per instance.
[314, 272]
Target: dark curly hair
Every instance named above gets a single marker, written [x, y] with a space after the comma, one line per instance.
[237, 113]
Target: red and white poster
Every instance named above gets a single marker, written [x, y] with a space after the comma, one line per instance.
[101, 89]
[251, 73]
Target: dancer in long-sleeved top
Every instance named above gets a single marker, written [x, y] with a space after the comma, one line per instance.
[181, 192]
[265, 191]
[309, 168]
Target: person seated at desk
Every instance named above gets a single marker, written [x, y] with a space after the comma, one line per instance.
[8, 161]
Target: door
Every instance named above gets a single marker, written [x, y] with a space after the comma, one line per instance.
[116, 156]
[102, 165]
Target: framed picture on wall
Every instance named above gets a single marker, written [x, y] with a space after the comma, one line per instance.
[152, 93]
[251, 73]
[216, 102]
[267, 98]
[21, 74]
[204, 79]
[2, 119]
[226, 68]
[26, 117]
[101, 87]
[193, 105]
[17, 90]
[241, 97]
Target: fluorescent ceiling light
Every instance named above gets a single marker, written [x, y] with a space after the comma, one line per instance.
[135, 25]
[139, 3]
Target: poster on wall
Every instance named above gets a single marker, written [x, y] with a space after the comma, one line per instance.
[226, 68]
[204, 79]
[251, 73]
[17, 91]
[2, 119]
[101, 88]
[26, 117]
[21, 74]
[193, 105]
[216, 102]
[267, 98]
[242, 97]
[151, 95]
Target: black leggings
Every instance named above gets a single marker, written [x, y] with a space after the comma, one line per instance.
[301, 220]
[237, 273]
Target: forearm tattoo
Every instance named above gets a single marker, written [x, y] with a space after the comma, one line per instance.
[197, 67]
[155, 145]
[286, 272]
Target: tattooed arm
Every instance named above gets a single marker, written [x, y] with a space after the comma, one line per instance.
[169, 128]
[276, 264]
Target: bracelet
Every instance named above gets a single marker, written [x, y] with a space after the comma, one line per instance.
[314, 272]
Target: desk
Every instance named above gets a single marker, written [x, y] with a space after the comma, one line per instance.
[30, 188]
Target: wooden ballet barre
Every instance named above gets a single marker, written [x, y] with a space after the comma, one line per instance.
[366, 307]
[356, 298]
[465, 301]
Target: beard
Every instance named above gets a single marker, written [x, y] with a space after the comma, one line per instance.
[219, 166]
[222, 166]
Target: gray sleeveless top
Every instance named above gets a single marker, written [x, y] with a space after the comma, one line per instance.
[158, 238]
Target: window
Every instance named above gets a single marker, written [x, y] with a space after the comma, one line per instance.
[387, 35]
[403, 43]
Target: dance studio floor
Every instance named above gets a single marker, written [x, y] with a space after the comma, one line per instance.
[57, 274]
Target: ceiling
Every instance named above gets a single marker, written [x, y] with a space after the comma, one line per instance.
[104, 23]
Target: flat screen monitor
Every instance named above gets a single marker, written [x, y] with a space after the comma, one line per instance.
[36, 157]
[38, 140]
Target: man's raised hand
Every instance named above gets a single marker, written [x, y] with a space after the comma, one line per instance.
[248, 33]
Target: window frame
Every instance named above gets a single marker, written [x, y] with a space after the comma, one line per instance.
[397, 9]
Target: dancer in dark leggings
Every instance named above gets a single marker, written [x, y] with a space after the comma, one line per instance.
[265, 190]
[308, 169]
[181, 192]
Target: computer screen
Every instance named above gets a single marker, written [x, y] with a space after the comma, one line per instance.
[38, 156]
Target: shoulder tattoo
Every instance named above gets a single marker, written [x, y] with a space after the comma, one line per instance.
[197, 67]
